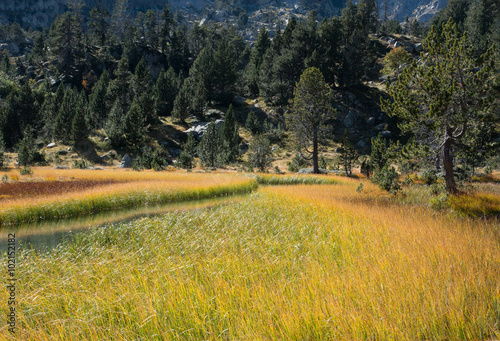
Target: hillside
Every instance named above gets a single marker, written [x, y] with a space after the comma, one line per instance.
[38, 14]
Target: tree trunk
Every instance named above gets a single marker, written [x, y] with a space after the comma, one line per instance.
[449, 176]
[315, 153]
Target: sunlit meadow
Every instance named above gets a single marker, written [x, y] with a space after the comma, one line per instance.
[303, 262]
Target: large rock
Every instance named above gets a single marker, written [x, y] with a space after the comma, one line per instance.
[350, 119]
[200, 128]
[386, 134]
[213, 114]
[51, 145]
[126, 162]
[418, 47]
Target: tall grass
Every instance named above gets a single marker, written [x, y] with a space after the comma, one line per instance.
[122, 195]
[286, 263]
[267, 179]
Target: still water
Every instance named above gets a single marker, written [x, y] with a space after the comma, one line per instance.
[47, 235]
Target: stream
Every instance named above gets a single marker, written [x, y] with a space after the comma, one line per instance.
[44, 236]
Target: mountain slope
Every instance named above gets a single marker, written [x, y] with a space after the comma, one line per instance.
[39, 14]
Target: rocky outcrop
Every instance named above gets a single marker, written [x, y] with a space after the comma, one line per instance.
[200, 128]
[38, 14]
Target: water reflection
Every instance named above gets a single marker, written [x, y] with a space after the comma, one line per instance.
[47, 235]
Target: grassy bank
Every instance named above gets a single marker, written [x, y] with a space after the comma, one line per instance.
[287, 263]
[268, 179]
[128, 189]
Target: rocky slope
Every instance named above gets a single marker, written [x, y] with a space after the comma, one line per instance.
[39, 14]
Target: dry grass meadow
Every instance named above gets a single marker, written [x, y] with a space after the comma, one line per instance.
[314, 261]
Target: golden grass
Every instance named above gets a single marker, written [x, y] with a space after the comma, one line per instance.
[476, 205]
[129, 189]
[287, 263]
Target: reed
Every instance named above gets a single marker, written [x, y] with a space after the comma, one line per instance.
[126, 190]
[267, 179]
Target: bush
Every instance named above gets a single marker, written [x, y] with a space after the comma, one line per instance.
[3, 160]
[252, 122]
[151, 159]
[439, 202]
[387, 179]
[185, 160]
[437, 189]
[297, 163]
[366, 168]
[26, 170]
[429, 177]
[395, 58]
[259, 152]
[274, 133]
[80, 164]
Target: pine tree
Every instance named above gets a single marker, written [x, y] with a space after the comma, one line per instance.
[368, 16]
[151, 24]
[209, 147]
[39, 47]
[66, 41]
[98, 109]
[20, 109]
[142, 86]
[166, 26]
[252, 122]
[114, 126]
[3, 156]
[4, 61]
[119, 20]
[99, 23]
[62, 124]
[480, 23]
[178, 53]
[186, 157]
[182, 104]
[26, 152]
[379, 157]
[134, 125]
[166, 89]
[456, 10]
[329, 49]
[256, 58]
[355, 46]
[198, 96]
[79, 128]
[230, 137]
[260, 153]
[312, 108]
[444, 95]
[348, 155]
[119, 88]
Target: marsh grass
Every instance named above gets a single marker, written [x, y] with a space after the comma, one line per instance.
[93, 192]
[267, 179]
[286, 263]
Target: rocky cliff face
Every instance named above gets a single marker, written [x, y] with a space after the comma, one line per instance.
[423, 10]
[39, 14]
